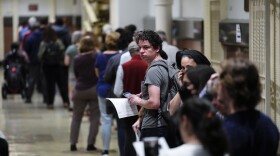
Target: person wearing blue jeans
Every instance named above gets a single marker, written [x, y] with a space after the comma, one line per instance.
[106, 123]
[103, 88]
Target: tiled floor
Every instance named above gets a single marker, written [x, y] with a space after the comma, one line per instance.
[32, 130]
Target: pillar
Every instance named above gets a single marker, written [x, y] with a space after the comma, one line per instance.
[15, 20]
[163, 16]
[207, 30]
[1, 32]
[52, 12]
[1, 52]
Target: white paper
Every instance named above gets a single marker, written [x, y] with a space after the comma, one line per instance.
[163, 144]
[137, 135]
[139, 148]
[124, 109]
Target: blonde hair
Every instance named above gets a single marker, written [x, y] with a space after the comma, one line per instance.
[111, 40]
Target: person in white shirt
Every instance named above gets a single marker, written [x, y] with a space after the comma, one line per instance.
[169, 49]
[200, 129]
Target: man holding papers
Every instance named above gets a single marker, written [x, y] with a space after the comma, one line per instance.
[129, 78]
[154, 87]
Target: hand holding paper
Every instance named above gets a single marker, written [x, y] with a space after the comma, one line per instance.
[134, 99]
[124, 109]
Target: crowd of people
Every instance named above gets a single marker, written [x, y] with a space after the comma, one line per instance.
[212, 114]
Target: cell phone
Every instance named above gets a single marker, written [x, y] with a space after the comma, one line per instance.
[126, 94]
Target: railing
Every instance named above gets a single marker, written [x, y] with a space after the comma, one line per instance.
[89, 15]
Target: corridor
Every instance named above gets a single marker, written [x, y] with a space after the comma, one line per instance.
[33, 130]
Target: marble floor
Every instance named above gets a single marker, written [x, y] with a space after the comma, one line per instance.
[32, 130]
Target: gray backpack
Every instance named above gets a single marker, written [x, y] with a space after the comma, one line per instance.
[173, 88]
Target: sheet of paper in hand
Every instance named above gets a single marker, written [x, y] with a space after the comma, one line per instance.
[123, 108]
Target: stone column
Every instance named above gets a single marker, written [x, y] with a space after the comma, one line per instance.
[1, 31]
[15, 20]
[1, 55]
[163, 16]
[52, 12]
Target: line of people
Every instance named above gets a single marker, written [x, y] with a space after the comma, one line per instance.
[204, 127]
[132, 61]
[33, 38]
[238, 129]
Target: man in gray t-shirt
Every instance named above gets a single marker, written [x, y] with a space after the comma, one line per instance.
[157, 76]
[154, 87]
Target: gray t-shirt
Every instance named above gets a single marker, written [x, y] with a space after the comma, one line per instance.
[158, 76]
[71, 51]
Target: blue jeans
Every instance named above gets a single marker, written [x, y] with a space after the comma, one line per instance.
[106, 123]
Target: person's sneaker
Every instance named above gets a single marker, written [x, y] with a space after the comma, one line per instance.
[65, 105]
[50, 107]
[105, 153]
[73, 148]
[91, 148]
[28, 101]
[70, 109]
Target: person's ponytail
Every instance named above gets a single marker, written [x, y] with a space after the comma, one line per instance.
[205, 125]
[211, 135]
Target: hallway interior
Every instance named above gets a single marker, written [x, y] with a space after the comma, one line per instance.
[33, 130]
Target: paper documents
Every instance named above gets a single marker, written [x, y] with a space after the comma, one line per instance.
[140, 149]
[124, 109]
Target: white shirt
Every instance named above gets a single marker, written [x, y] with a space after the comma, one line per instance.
[186, 150]
[118, 88]
[125, 58]
[170, 51]
[2, 135]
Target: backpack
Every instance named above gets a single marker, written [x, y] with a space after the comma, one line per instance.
[173, 88]
[52, 54]
[173, 137]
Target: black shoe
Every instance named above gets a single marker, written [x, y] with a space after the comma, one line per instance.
[73, 148]
[28, 101]
[50, 107]
[70, 109]
[91, 148]
[105, 153]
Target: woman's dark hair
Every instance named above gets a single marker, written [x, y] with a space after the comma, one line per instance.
[197, 56]
[125, 38]
[130, 28]
[49, 34]
[205, 125]
[59, 21]
[199, 75]
[240, 78]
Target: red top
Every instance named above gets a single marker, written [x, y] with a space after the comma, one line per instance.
[134, 72]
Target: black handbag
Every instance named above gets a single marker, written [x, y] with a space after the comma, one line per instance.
[110, 109]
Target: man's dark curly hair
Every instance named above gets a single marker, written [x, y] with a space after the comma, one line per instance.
[150, 36]
[153, 38]
[240, 78]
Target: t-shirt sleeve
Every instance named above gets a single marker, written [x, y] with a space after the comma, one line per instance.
[69, 50]
[98, 60]
[154, 76]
